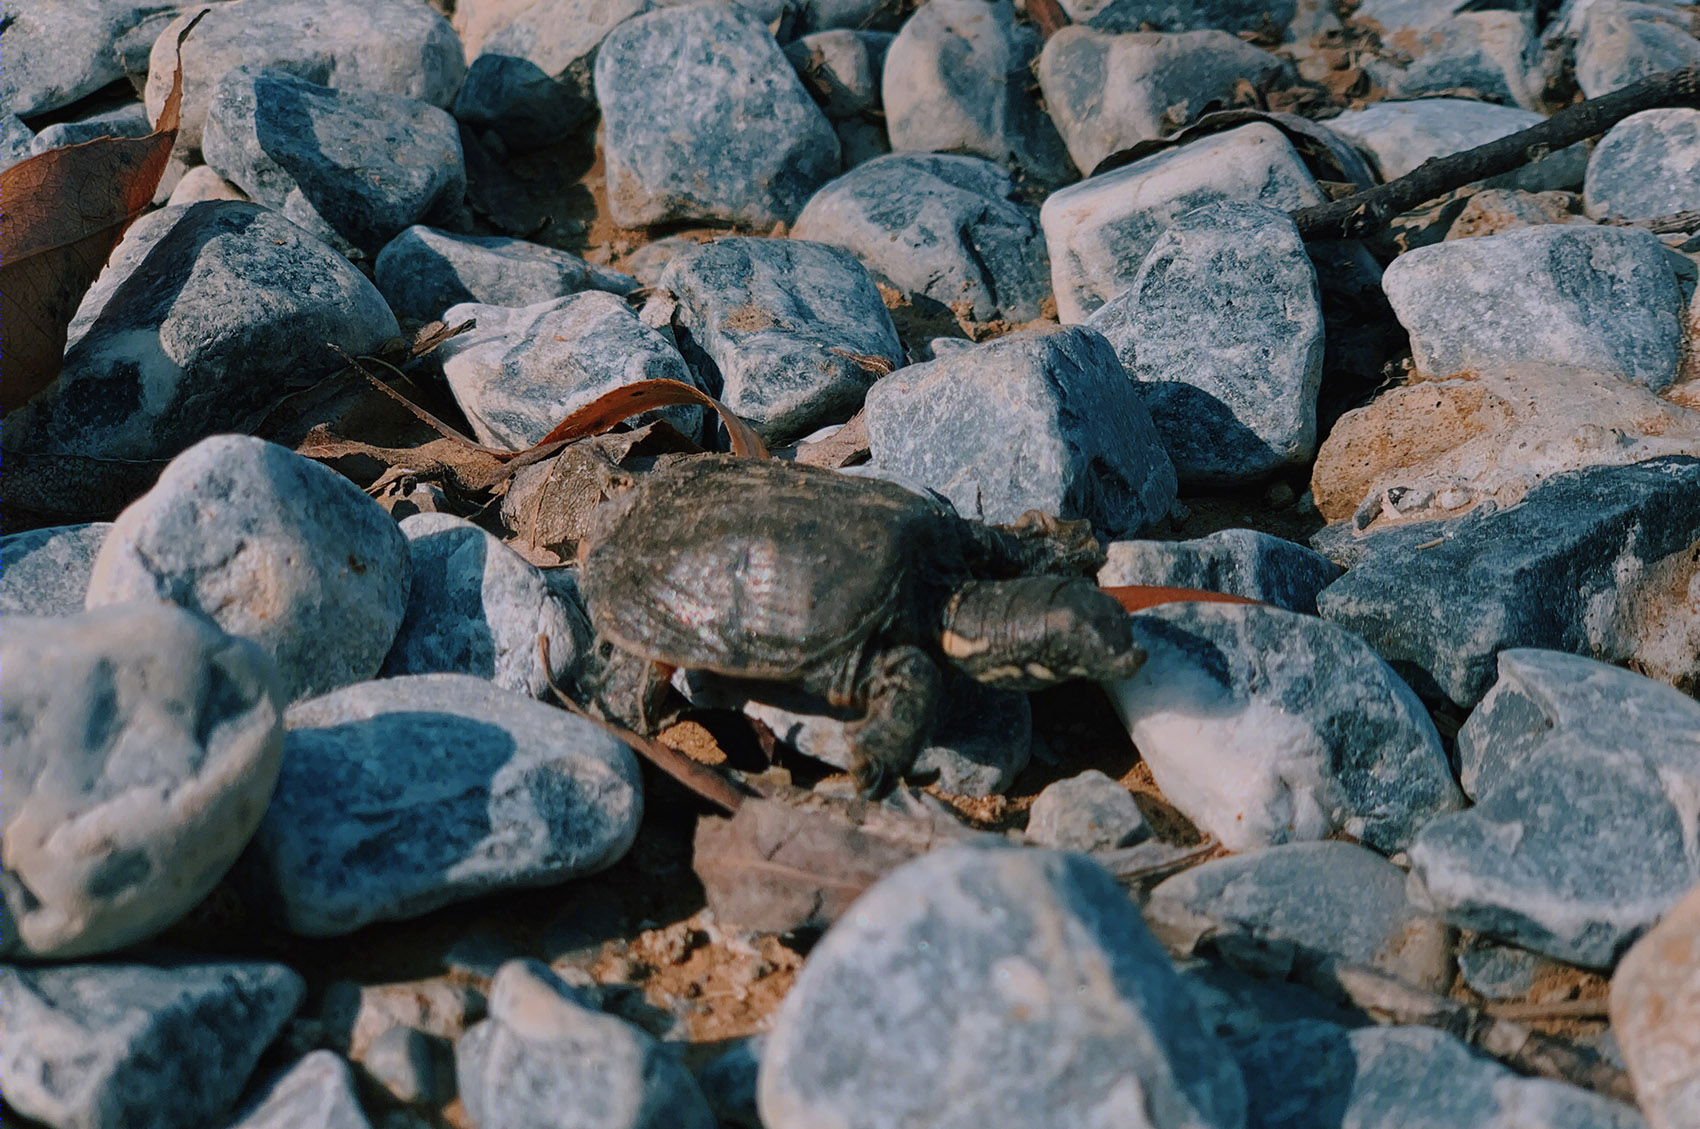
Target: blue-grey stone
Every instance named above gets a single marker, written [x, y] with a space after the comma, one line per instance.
[165, 1044]
[939, 226]
[728, 1081]
[647, 263]
[16, 140]
[1303, 911]
[842, 68]
[1494, 54]
[1040, 420]
[1176, 15]
[1235, 1003]
[1221, 332]
[773, 327]
[316, 1093]
[272, 547]
[993, 986]
[407, 794]
[706, 120]
[1619, 43]
[957, 80]
[1099, 232]
[202, 330]
[1583, 831]
[1241, 562]
[1264, 726]
[1388, 17]
[139, 746]
[46, 571]
[1309, 1074]
[1599, 298]
[1646, 166]
[1582, 564]
[1499, 971]
[130, 120]
[521, 371]
[403, 1060]
[1108, 92]
[521, 103]
[366, 164]
[1396, 137]
[532, 62]
[1087, 812]
[546, 1059]
[477, 607]
[57, 51]
[423, 271]
[390, 46]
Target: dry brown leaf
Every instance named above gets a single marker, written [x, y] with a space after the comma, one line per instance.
[1138, 597]
[61, 213]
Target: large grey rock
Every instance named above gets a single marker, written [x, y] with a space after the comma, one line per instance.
[1494, 54]
[1646, 166]
[1595, 562]
[546, 44]
[1304, 910]
[1620, 42]
[545, 1059]
[477, 607]
[1600, 298]
[393, 46]
[1309, 1074]
[1221, 332]
[316, 1093]
[404, 795]
[273, 548]
[363, 163]
[520, 104]
[1264, 726]
[204, 329]
[424, 271]
[167, 1044]
[1108, 92]
[519, 372]
[1040, 420]
[59, 50]
[46, 571]
[706, 120]
[770, 326]
[140, 745]
[956, 80]
[129, 120]
[1241, 562]
[1087, 812]
[1655, 1016]
[1396, 137]
[1099, 232]
[999, 986]
[1580, 771]
[939, 226]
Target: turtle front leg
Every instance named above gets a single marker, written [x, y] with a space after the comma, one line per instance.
[902, 692]
[624, 688]
[1037, 631]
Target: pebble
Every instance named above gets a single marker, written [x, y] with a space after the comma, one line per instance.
[162, 1044]
[316, 1093]
[424, 270]
[403, 1060]
[1396, 137]
[546, 1058]
[1088, 812]
[1264, 726]
[46, 571]
[1006, 986]
[706, 120]
[1303, 911]
[1240, 562]
[129, 120]
[16, 140]
[842, 68]
[1599, 298]
[938, 226]
[1108, 92]
[57, 51]
[1593, 561]
[1620, 42]
[1491, 54]
[363, 164]
[775, 327]
[140, 746]
[519, 372]
[202, 183]
[274, 548]
[480, 789]
[1099, 232]
[387, 46]
[477, 607]
[1581, 836]
[151, 371]
[1647, 166]
[1221, 331]
[1655, 1015]
[356, 1017]
[1498, 971]
[1038, 420]
[728, 1081]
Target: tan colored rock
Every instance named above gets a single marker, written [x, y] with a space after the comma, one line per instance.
[1655, 1015]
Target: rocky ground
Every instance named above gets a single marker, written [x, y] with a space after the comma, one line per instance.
[298, 833]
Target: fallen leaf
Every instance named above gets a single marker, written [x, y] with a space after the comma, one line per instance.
[1138, 597]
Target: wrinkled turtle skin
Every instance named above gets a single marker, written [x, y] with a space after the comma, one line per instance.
[802, 582]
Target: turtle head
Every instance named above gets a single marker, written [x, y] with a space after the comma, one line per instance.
[1034, 632]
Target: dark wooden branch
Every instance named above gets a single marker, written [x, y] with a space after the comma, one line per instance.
[1368, 212]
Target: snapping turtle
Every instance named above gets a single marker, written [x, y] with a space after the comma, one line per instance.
[849, 590]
